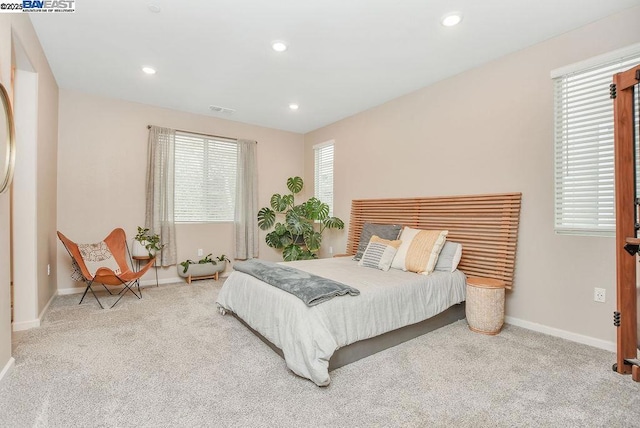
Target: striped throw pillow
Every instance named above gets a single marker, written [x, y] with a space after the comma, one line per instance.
[379, 253]
[419, 250]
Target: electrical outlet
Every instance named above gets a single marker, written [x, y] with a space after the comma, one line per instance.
[599, 295]
[48, 270]
[200, 253]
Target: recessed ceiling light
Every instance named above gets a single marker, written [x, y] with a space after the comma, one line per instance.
[149, 70]
[279, 46]
[293, 106]
[451, 19]
[153, 7]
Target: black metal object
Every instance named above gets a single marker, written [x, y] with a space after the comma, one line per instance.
[631, 362]
[638, 75]
[632, 248]
[127, 286]
[612, 91]
[616, 319]
[89, 283]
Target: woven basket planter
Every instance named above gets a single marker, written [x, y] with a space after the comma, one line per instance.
[485, 305]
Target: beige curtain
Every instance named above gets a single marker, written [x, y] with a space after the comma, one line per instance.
[246, 211]
[160, 191]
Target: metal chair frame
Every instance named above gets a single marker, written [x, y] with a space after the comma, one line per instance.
[105, 276]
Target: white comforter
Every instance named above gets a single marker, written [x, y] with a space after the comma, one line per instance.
[308, 336]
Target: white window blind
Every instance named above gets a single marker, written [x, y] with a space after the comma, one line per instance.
[323, 181]
[584, 157]
[205, 182]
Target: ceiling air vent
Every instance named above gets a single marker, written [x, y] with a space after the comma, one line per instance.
[219, 109]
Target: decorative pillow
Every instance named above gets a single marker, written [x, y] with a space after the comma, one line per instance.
[96, 256]
[449, 257]
[379, 253]
[384, 231]
[419, 250]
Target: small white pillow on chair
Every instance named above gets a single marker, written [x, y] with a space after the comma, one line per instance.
[96, 256]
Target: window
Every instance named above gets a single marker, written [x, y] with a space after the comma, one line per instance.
[584, 158]
[205, 186]
[323, 180]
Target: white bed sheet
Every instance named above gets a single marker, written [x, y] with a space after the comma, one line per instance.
[308, 336]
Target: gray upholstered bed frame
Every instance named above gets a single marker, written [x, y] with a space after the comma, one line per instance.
[487, 227]
[364, 348]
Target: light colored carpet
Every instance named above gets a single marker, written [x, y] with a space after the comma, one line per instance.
[171, 359]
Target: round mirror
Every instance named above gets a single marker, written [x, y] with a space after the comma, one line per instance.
[7, 141]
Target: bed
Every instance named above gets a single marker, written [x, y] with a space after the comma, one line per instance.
[393, 306]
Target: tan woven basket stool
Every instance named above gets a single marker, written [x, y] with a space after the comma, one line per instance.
[485, 304]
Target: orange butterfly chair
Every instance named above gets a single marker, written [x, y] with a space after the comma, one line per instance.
[106, 263]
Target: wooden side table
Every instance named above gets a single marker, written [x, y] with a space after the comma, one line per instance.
[485, 304]
[196, 278]
[140, 259]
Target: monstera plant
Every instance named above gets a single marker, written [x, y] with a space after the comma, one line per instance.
[299, 232]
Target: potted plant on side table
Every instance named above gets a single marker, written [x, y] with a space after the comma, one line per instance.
[145, 247]
[145, 243]
[205, 268]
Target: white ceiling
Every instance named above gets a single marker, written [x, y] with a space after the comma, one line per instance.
[344, 56]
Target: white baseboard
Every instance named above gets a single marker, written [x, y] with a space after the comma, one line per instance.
[46, 307]
[150, 282]
[25, 325]
[145, 283]
[574, 337]
[70, 290]
[7, 368]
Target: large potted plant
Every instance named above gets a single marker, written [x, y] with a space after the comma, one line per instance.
[299, 234]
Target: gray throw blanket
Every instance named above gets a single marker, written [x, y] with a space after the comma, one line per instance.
[309, 288]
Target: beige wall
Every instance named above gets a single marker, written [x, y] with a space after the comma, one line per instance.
[19, 26]
[485, 131]
[102, 163]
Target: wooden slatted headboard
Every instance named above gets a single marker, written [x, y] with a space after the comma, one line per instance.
[485, 225]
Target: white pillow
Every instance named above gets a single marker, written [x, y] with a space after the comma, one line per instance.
[419, 250]
[96, 256]
[449, 257]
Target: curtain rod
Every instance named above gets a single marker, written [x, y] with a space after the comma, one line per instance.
[203, 134]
